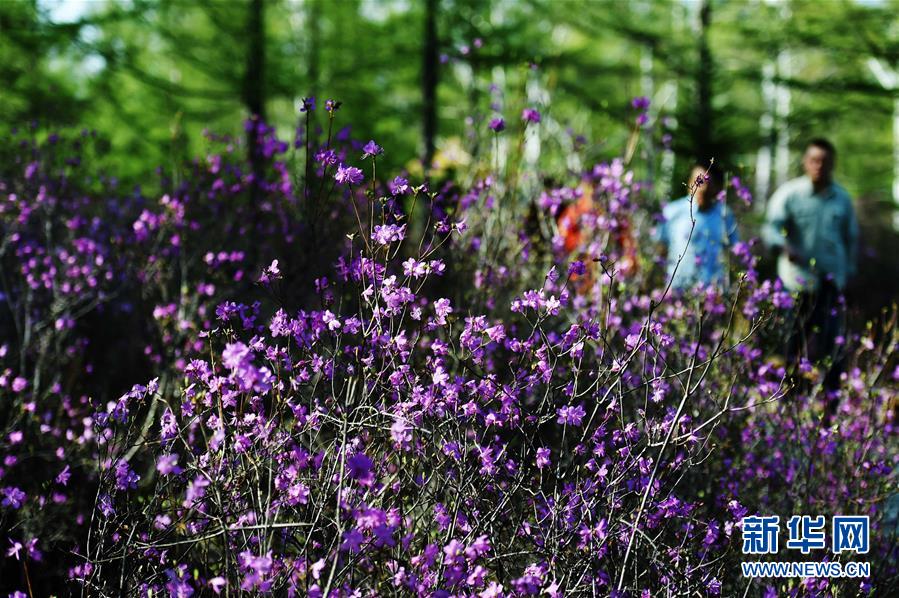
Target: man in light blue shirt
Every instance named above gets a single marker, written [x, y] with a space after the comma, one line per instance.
[696, 233]
[811, 226]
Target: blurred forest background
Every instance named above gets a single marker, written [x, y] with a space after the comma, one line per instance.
[746, 82]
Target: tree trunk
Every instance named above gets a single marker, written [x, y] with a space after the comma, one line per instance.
[254, 99]
[430, 67]
[782, 118]
[888, 77]
[314, 63]
[254, 78]
[765, 154]
[703, 133]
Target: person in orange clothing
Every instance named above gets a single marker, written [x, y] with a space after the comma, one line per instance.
[578, 219]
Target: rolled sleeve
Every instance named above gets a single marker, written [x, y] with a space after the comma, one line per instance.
[661, 233]
[730, 223]
[776, 219]
[852, 240]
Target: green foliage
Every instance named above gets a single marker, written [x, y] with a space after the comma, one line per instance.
[151, 75]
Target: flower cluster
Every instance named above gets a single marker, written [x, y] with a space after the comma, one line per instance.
[447, 401]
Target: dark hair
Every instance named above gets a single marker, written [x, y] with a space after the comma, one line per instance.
[824, 144]
[713, 171]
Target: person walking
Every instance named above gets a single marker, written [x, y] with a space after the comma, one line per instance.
[811, 227]
[696, 230]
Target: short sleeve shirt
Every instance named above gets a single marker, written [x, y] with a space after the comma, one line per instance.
[703, 245]
[821, 228]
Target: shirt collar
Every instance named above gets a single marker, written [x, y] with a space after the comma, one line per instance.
[827, 193]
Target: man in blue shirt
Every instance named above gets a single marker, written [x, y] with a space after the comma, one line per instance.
[697, 231]
[811, 227]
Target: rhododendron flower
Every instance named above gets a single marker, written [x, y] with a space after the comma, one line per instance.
[63, 477]
[640, 103]
[530, 115]
[218, 583]
[571, 415]
[168, 464]
[372, 149]
[12, 497]
[388, 233]
[359, 467]
[15, 549]
[352, 540]
[543, 457]
[577, 268]
[327, 157]
[401, 433]
[399, 186]
[271, 273]
[442, 309]
[348, 175]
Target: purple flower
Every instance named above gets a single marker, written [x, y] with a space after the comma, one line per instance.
[261, 565]
[235, 355]
[348, 175]
[195, 491]
[498, 125]
[442, 309]
[401, 433]
[543, 458]
[327, 157]
[352, 540]
[640, 103]
[399, 186]
[12, 497]
[372, 149]
[33, 553]
[161, 522]
[63, 476]
[388, 233]
[126, 478]
[577, 268]
[105, 506]
[19, 384]
[308, 106]
[168, 425]
[15, 549]
[217, 583]
[359, 466]
[530, 115]
[572, 416]
[271, 273]
[168, 464]
[332, 106]
[383, 536]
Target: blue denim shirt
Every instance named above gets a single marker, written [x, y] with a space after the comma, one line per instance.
[821, 228]
[705, 251]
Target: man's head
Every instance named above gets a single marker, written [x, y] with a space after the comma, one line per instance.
[712, 184]
[818, 161]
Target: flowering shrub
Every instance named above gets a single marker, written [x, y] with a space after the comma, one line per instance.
[453, 403]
